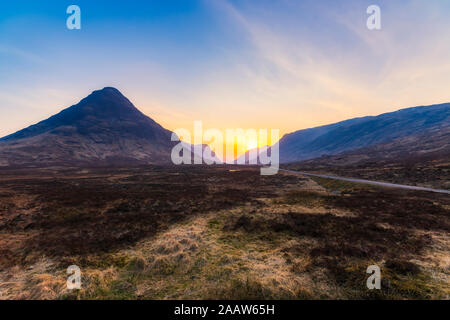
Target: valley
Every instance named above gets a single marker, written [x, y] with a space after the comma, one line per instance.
[210, 232]
[94, 186]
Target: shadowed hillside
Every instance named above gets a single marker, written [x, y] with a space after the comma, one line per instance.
[422, 159]
[362, 132]
[104, 127]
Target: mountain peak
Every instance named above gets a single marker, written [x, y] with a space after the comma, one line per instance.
[104, 127]
[107, 91]
[104, 108]
[106, 103]
[106, 95]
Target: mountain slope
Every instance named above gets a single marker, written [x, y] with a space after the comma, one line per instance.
[422, 159]
[362, 132]
[103, 128]
[359, 133]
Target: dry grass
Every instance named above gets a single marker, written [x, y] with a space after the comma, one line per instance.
[290, 238]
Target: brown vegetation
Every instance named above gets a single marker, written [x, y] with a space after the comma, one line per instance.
[208, 232]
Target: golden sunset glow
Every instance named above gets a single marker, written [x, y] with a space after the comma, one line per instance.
[238, 145]
[258, 65]
[251, 145]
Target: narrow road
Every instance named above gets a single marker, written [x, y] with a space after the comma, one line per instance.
[375, 183]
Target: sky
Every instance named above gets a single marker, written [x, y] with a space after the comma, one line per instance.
[280, 64]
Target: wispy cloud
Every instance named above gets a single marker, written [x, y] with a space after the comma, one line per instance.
[371, 74]
[282, 64]
[22, 54]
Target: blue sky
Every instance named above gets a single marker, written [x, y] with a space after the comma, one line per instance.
[252, 64]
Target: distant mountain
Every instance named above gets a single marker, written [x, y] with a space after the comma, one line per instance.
[362, 132]
[431, 145]
[207, 155]
[103, 128]
[419, 159]
[106, 128]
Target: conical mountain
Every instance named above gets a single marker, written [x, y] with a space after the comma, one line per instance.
[104, 128]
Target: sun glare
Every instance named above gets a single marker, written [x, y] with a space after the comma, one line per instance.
[251, 145]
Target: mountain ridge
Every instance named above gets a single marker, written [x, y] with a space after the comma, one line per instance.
[361, 132]
[104, 126]
[119, 109]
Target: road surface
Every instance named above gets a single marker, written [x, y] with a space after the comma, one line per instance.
[375, 183]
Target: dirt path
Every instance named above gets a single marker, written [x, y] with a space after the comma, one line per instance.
[375, 183]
